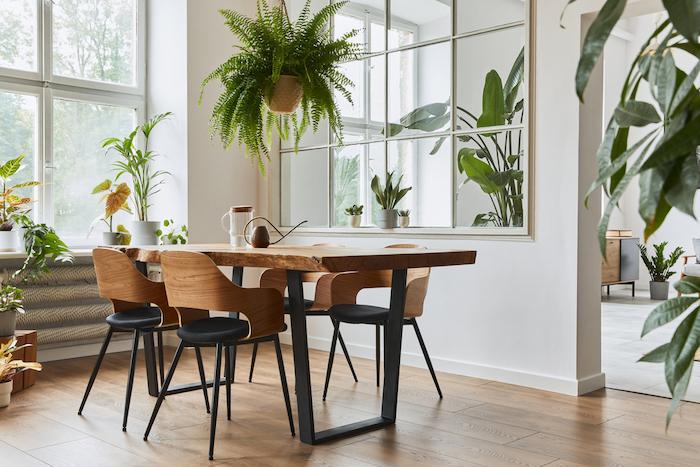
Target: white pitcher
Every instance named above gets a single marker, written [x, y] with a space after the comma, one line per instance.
[238, 216]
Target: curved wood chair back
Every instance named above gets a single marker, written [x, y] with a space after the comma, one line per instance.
[119, 281]
[343, 288]
[195, 286]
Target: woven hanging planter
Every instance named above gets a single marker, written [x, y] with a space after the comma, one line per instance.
[285, 95]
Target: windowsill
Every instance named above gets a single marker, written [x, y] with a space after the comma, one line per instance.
[515, 233]
[78, 253]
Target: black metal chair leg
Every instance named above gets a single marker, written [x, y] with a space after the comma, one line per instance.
[95, 370]
[252, 362]
[336, 330]
[161, 358]
[130, 382]
[377, 348]
[215, 402]
[164, 389]
[227, 375]
[283, 380]
[202, 377]
[427, 357]
[347, 355]
[233, 352]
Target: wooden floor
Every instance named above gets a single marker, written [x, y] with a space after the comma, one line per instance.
[478, 423]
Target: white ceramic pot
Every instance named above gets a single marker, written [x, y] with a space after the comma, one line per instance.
[658, 290]
[356, 220]
[8, 323]
[8, 240]
[144, 232]
[5, 392]
[386, 218]
[111, 238]
[404, 221]
[20, 239]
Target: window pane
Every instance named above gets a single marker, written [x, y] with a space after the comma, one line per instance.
[95, 40]
[80, 162]
[494, 198]
[304, 190]
[353, 168]
[419, 90]
[415, 21]
[364, 119]
[367, 16]
[18, 134]
[18, 23]
[473, 15]
[426, 166]
[476, 57]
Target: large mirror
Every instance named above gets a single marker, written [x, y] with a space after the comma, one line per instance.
[441, 100]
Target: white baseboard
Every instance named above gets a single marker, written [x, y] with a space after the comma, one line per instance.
[570, 387]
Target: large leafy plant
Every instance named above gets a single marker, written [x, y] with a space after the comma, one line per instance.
[12, 202]
[42, 246]
[137, 164]
[9, 367]
[495, 159]
[389, 195]
[271, 46]
[658, 264]
[664, 159]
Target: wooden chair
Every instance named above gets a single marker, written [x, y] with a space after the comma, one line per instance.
[132, 296]
[342, 290]
[194, 286]
[277, 279]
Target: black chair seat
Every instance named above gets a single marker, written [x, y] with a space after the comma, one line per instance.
[213, 330]
[146, 317]
[359, 314]
[307, 304]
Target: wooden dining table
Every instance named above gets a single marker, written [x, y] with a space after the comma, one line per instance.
[297, 260]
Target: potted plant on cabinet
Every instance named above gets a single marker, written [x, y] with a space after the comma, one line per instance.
[354, 212]
[659, 267]
[174, 235]
[404, 218]
[9, 368]
[145, 181]
[280, 65]
[12, 204]
[115, 198]
[388, 196]
[10, 305]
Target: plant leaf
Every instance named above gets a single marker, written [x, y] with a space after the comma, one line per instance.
[658, 355]
[493, 102]
[685, 16]
[104, 186]
[666, 312]
[636, 113]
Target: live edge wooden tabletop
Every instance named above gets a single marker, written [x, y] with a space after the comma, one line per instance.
[313, 258]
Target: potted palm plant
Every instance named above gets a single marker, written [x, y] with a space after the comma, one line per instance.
[115, 198]
[354, 212]
[12, 203]
[137, 164]
[9, 368]
[659, 267]
[281, 65]
[388, 196]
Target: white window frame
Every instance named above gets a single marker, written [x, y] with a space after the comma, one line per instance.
[46, 86]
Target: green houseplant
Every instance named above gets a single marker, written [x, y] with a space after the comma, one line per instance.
[115, 198]
[280, 64]
[9, 368]
[665, 159]
[137, 164]
[659, 267]
[171, 234]
[404, 218]
[354, 212]
[388, 196]
[12, 202]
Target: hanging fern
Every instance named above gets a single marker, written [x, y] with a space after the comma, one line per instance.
[272, 45]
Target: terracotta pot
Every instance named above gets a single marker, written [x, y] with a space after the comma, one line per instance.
[5, 392]
[285, 95]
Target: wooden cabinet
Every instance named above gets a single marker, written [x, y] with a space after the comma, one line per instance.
[621, 263]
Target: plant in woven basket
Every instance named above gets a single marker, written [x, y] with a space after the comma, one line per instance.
[280, 64]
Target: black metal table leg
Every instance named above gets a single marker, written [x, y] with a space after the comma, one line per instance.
[237, 275]
[149, 349]
[392, 345]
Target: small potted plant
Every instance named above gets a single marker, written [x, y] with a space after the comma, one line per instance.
[354, 212]
[12, 204]
[404, 218]
[388, 196]
[9, 368]
[174, 235]
[115, 198]
[659, 267]
[10, 305]
[145, 181]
